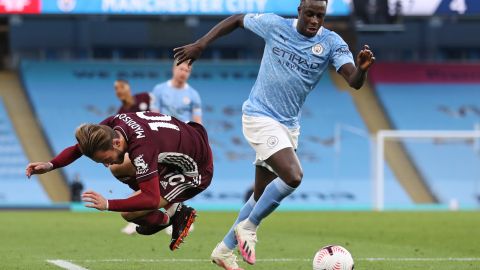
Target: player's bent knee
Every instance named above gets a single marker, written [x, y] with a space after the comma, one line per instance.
[295, 178]
[127, 216]
[162, 202]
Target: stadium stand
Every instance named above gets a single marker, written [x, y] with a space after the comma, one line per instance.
[432, 105]
[335, 145]
[12, 168]
[30, 134]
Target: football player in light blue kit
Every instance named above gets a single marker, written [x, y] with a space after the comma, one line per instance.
[177, 98]
[297, 52]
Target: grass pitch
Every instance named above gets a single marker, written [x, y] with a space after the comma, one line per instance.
[287, 240]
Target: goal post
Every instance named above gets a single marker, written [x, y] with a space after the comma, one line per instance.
[433, 137]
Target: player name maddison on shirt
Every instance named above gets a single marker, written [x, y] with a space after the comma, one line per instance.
[132, 124]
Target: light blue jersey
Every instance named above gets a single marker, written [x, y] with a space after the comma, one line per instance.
[180, 103]
[292, 65]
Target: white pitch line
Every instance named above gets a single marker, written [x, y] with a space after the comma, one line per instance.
[275, 260]
[422, 259]
[66, 265]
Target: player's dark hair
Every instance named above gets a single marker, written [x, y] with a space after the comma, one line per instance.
[122, 81]
[175, 64]
[92, 138]
[303, 1]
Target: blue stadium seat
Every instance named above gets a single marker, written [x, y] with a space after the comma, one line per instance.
[15, 187]
[450, 167]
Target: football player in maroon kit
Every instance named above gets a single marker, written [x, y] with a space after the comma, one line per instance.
[172, 162]
[133, 103]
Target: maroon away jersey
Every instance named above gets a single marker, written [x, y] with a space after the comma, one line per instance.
[155, 139]
[142, 103]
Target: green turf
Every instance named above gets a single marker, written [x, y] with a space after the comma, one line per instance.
[94, 241]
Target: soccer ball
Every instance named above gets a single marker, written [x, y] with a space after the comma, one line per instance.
[333, 258]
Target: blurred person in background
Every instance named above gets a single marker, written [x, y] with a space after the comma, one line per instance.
[76, 188]
[296, 55]
[171, 162]
[177, 98]
[140, 102]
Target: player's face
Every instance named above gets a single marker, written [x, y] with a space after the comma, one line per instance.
[182, 72]
[109, 157]
[122, 90]
[310, 17]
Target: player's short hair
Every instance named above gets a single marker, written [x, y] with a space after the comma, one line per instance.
[122, 81]
[175, 63]
[92, 138]
[303, 1]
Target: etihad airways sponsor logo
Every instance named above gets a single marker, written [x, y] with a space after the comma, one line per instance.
[184, 6]
[295, 62]
[294, 58]
[132, 124]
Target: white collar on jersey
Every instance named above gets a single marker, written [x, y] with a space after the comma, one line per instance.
[294, 24]
[169, 83]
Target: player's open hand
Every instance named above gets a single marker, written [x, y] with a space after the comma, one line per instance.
[38, 168]
[189, 53]
[95, 200]
[365, 58]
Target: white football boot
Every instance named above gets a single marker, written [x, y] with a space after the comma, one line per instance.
[130, 229]
[246, 242]
[224, 259]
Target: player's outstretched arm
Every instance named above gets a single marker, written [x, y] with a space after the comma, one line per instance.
[38, 168]
[192, 52]
[355, 76]
[67, 156]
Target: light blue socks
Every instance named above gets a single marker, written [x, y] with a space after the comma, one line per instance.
[230, 240]
[269, 201]
[256, 211]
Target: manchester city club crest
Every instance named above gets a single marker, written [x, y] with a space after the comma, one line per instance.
[66, 5]
[317, 49]
[272, 141]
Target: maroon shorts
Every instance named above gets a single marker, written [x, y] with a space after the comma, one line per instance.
[178, 187]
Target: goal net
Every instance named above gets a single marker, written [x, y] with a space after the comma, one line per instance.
[439, 169]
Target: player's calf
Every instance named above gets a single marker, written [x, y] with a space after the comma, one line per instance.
[150, 223]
